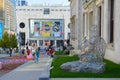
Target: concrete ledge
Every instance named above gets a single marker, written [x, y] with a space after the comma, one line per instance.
[74, 52]
[44, 78]
[45, 75]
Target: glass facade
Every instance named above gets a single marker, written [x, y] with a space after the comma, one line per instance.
[1, 29]
[46, 11]
[21, 3]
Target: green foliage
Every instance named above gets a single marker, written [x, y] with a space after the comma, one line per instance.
[112, 69]
[8, 41]
[60, 53]
[4, 43]
[13, 41]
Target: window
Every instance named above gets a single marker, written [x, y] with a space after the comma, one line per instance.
[18, 3]
[40, 42]
[100, 20]
[40, 9]
[61, 10]
[28, 9]
[32, 9]
[37, 9]
[56, 9]
[112, 21]
[52, 9]
[64, 9]
[69, 36]
[24, 9]
[68, 9]
[46, 11]
[20, 9]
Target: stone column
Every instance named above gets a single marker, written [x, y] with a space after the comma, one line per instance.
[117, 27]
[80, 23]
[106, 20]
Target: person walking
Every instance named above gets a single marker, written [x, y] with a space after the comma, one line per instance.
[37, 53]
[51, 51]
[46, 49]
[28, 51]
[20, 52]
[10, 50]
[33, 48]
[23, 52]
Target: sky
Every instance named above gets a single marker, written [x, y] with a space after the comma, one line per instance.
[33, 2]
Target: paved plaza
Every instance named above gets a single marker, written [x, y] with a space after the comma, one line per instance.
[30, 70]
[41, 71]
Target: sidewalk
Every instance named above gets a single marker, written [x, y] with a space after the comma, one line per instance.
[30, 70]
[40, 71]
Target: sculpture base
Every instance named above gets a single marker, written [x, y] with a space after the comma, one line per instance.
[90, 67]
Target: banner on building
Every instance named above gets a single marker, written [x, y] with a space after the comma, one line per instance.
[47, 28]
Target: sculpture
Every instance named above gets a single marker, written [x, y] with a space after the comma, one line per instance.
[93, 50]
[91, 57]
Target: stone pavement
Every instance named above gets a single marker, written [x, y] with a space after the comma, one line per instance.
[40, 71]
[30, 70]
[0, 75]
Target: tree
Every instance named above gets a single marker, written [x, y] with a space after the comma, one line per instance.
[8, 41]
[4, 43]
[13, 41]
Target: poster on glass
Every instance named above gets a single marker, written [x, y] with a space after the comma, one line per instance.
[46, 29]
[36, 28]
[57, 30]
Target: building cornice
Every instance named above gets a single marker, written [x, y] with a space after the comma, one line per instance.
[86, 3]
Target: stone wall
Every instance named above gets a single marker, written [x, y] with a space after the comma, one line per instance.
[74, 52]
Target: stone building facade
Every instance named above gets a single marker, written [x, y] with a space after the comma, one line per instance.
[28, 14]
[76, 23]
[104, 14]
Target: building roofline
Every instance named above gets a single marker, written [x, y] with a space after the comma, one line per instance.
[40, 6]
